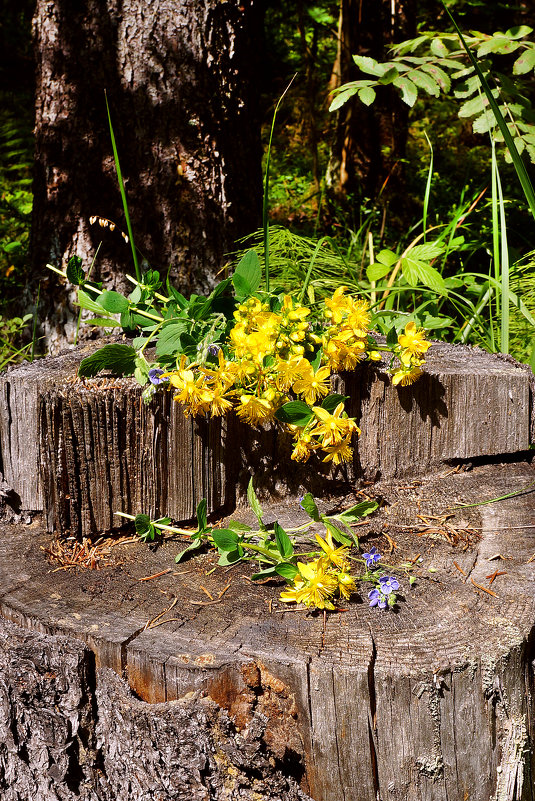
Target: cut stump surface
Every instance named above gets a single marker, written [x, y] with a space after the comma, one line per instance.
[430, 701]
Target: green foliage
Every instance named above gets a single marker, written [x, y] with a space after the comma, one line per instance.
[16, 146]
[434, 64]
[12, 331]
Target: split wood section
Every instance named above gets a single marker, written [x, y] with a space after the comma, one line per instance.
[82, 450]
[428, 702]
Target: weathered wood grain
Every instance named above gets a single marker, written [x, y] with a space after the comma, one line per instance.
[429, 702]
[82, 450]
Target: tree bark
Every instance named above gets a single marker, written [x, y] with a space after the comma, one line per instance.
[180, 81]
[369, 141]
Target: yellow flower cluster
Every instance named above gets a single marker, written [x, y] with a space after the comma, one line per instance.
[410, 350]
[267, 366]
[345, 342]
[319, 581]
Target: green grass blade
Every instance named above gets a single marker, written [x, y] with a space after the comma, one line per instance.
[504, 326]
[34, 328]
[427, 187]
[519, 165]
[265, 204]
[123, 193]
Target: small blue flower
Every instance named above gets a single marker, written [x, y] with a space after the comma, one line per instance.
[388, 584]
[214, 349]
[372, 557]
[377, 598]
[155, 374]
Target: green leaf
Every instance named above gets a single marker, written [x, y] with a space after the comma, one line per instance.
[427, 252]
[519, 31]
[438, 48]
[474, 106]
[144, 528]
[342, 97]
[377, 271]
[193, 546]
[225, 539]
[119, 359]
[367, 95]
[392, 337]
[270, 572]
[424, 81]
[387, 257]
[335, 532]
[236, 525]
[75, 272]
[525, 63]
[409, 92]
[370, 66]
[441, 77]
[498, 44]
[284, 543]
[141, 373]
[202, 519]
[417, 272]
[228, 558]
[484, 123]
[169, 338]
[287, 570]
[247, 275]
[331, 401]
[309, 505]
[357, 512]
[87, 302]
[254, 502]
[295, 413]
[113, 302]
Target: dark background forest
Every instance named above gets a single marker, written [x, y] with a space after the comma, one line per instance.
[357, 175]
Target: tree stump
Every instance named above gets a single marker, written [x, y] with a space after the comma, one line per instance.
[83, 450]
[430, 701]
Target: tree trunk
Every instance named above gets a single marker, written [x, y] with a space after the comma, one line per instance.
[369, 141]
[180, 81]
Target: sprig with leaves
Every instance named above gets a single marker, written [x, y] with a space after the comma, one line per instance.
[319, 570]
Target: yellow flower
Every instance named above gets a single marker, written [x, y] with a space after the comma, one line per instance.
[225, 373]
[294, 313]
[313, 385]
[303, 448]
[339, 452]
[337, 306]
[192, 391]
[333, 427]
[336, 556]
[359, 318]
[219, 404]
[254, 410]
[289, 370]
[407, 377]
[413, 340]
[319, 585]
[346, 584]
[374, 356]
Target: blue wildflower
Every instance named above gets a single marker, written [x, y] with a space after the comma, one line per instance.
[372, 557]
[377, 598]
[214, 349]
[388, 584]
[155, 374]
